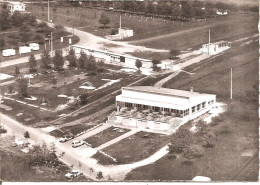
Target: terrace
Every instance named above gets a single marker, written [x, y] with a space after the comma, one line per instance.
[146, 119]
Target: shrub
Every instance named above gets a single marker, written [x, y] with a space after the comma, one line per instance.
[180, 140]
[171, 157]
[202, 126]
[217, 119]
[2, 130]
[83, 98]
[209, 140]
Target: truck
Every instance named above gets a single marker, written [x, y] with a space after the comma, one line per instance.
[8, 52]
[24, 49]
[34, 46]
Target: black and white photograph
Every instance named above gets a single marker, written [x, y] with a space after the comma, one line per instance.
[126, 91]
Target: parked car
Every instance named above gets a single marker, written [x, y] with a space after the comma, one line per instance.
[8, 52]
[73, 174]
[34, 46]
[76, 143]
[64, 139]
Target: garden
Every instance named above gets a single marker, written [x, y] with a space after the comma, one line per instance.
[134, 148]
[105, 136]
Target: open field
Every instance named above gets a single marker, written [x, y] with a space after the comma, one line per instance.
[230, 28]
[104, 136]
[235, 153]
[87, 19]
[134, 148]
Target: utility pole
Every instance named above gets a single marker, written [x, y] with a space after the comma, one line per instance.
[231, 85]
[48, 11]
[51, 45]
[209, 41]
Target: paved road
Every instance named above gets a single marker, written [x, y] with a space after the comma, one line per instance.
[82, 155]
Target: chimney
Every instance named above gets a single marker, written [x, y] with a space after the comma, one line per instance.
[191, 89]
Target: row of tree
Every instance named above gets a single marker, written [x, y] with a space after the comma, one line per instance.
[84, 61]
[175, 9]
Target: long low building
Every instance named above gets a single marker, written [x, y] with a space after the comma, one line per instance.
[113, 58]
[160, 103]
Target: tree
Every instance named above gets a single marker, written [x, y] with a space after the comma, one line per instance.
[17, 19]
[14, 40]
[155, 62]
[82, 60]
[26, 135]
[104, 20]
[209, 140]
[58, 60]
[46, 59]
[23, 85]
[10, 89]
[180, 140]
[2, 43]
[25, 37]
[4, 17]
[138, 64]
[83, 98]
[32, 63]
[53, 148]
[150, 8]
[24, 29]
[54, 9]
[71, 57]
[90, 64]
[174, 53]
[38, 38]
[100, 175]
[187, 10]
[17, 70]
[100, 66]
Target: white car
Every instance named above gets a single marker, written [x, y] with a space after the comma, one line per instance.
[34, 46]
[73, 174]
[76, 143]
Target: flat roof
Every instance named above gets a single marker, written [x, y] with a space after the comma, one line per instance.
[15, 3]
[166, 91]
[111, 53]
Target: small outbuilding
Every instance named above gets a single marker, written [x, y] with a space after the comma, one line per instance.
[13, 6]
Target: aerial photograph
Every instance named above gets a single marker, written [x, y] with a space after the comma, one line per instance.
[129, 91]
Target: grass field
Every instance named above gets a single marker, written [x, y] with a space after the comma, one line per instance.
[133, 150]
[237, 136]
[231, 28]
[104, 136]
[87, 19]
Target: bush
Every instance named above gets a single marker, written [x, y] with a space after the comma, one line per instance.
[180, 140]
[83, 98]
[171, 157]
[114, 32]
[209, 140]
[2, 130]
[217, 119]
[202, 126]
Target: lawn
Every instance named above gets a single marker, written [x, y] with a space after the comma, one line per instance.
[70, 130]
[234, 27]
[237, 135]
[135, 149]
[104, 136]
[87, 19]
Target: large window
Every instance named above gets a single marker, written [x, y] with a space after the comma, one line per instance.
[193, 109]
[186, 112]
[129, 105]
[198, 107]
[203, 105]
